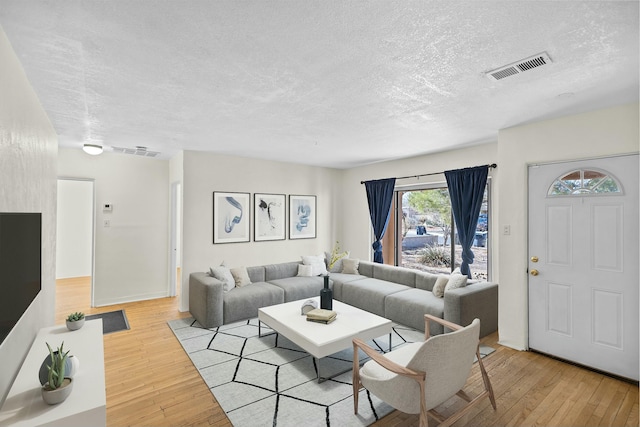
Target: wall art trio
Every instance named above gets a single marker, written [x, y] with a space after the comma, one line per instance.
[232, 215]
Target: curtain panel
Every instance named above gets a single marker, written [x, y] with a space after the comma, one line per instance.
[466, 190]
[379, 196]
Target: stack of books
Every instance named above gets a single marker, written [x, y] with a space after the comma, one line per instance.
[320, 315]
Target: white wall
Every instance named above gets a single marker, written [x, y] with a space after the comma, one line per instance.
[131, 256]
[74, 244]
[354, 214]
[595, 134]
[28, 149]
[205, 173]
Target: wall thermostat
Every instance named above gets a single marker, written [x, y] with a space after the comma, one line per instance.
[107, 207]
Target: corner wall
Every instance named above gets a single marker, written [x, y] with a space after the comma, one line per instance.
[204, 173]
[131, 255]
[28, 150]
[595, 134]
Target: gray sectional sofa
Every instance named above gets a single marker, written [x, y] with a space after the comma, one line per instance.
[399, 294]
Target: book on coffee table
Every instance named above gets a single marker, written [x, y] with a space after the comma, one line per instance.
[321, 315]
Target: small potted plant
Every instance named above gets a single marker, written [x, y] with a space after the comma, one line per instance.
[58, 387]
[75, 321]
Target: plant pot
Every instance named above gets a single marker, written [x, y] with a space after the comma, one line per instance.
[74, 326]
[53, 397]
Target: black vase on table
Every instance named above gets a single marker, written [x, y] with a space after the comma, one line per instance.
[326, 295]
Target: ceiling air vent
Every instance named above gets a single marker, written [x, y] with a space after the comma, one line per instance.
[138, 151]
[521, 66]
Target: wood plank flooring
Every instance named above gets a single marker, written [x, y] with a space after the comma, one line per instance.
[150, 380]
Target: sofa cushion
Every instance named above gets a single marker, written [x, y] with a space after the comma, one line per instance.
[280, 271]
[369, 294]
[241, 276]
[409, 307]
[305, 270]
[441, 283]
[338, 279]
[350, 266]
[317, 262]
[256, 274]
[224, 275]
[456, 281]
[244, 302]
[296, 288]
[425, 280]
[391, 273]
[366, 268]
[337, 258]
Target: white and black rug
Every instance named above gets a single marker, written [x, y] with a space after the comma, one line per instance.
[270, 381]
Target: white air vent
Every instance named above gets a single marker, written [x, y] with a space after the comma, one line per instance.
[138, 151]
[521, 66]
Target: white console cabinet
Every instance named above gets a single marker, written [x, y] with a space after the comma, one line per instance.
[86, 406]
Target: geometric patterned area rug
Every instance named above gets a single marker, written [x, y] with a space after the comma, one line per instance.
[270, 381]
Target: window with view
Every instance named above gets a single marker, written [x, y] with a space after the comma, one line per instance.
[424, 232]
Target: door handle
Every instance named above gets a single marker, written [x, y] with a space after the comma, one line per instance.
[534, 272]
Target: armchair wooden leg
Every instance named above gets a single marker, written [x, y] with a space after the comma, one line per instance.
[485, 379]
[424, 421]
[355, 379]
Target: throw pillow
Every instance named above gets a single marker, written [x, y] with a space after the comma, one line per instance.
[317, 261]
[350, 266]
[456, 271]
[305, 270]
[334, 261]
[241, 276]
[456, 281]
[224, 275]
[438, 287]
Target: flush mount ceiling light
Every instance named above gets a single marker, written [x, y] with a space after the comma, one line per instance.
[93, 149]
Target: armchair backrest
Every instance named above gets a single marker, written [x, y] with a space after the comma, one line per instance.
[447, 360]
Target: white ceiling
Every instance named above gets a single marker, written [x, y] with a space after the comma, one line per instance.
[329, 83]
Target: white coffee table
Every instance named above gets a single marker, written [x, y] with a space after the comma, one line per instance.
[320, 340]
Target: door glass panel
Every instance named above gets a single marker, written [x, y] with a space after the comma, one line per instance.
[584, 182]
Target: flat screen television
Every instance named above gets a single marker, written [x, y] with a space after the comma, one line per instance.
[20, 266]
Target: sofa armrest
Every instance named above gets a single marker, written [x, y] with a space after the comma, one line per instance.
[206, 299]
[478, 300]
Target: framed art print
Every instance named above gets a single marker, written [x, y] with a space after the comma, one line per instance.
[269, 217]
[302, 217]
[231, 213]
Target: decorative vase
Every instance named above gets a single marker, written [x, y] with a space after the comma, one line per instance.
[326, 295]
[71, 366]
[60, 394]
[75, 325]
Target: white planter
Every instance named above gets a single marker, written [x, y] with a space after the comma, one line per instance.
[74, 326]
[53, 397]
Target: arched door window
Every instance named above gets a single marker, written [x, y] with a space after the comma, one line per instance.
[584, 182]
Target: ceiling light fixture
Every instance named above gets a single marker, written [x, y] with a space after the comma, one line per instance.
[93, 149]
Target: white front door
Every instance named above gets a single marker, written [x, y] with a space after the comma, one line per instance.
[583, 263]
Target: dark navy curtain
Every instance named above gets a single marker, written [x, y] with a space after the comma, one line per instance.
[379, 196]
[466, 189]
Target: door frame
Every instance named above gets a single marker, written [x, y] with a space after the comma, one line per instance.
[93, 229]
[175, 238]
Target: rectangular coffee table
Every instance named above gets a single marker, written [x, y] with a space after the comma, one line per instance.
[320, 340]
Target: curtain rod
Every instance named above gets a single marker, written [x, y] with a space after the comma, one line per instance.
[491, 166]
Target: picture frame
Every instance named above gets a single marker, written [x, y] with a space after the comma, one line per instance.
[269, 217]
[231, 217]
[302, 217]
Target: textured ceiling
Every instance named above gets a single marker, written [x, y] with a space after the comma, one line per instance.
[328, 83]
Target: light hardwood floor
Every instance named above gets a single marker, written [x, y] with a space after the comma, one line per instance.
[151, 382]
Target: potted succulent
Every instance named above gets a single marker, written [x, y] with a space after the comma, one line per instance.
[75, 321]
[58, 387]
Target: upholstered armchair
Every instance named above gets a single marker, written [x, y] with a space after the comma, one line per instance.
[418, 377]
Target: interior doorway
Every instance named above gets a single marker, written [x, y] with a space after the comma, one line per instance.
[175, 257]
[75, 231]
